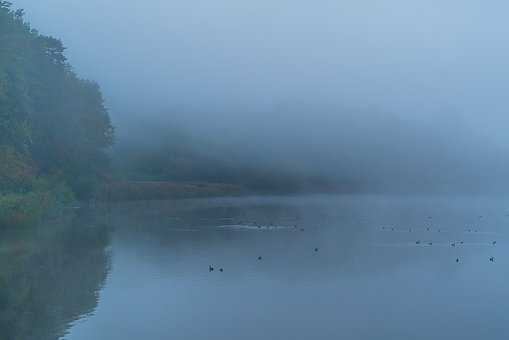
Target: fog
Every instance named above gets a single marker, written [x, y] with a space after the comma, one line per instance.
[391, 95]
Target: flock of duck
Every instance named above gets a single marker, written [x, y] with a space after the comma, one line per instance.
[270, 226]
[260, 226]
[452, 243]
[211, 267]
[392, 229]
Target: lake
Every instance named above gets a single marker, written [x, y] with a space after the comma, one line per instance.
[309, 267]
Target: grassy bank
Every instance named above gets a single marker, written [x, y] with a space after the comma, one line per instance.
[25, 196]
[161, 190]
[24, 209]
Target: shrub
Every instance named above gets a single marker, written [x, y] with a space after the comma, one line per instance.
[18, 210]
[16, 171]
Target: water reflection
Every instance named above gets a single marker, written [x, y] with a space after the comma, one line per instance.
[161, 286]
[320, 267]
[51, 275]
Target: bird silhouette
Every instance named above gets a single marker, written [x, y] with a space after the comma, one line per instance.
[316, 249]
[494, 242]
[211, 268]
[492, 259]
[259, 258]
[221, 270]
[457, 260]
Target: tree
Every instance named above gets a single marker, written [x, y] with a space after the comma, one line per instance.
[47, 112]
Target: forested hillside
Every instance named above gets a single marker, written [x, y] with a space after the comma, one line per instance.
[54, 127]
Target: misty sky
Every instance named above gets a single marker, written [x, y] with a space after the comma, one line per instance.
[391, 92]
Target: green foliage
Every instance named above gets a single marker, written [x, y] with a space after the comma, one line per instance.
[19, 210]
[52, 123]
[23, 209]
[16, 172]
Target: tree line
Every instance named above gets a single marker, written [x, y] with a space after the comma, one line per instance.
[54, 126]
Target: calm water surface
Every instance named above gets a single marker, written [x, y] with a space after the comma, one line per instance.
[384, 267]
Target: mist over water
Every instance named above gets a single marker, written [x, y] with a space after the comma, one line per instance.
[315, 267]
[381, 124]
[386, 95]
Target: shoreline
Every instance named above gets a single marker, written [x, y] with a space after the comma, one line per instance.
[125, 191]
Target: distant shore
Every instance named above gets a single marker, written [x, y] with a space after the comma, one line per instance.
[160, 190]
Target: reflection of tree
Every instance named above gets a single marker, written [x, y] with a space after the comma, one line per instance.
[51, 277]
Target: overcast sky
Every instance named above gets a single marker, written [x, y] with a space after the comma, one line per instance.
[402, 91]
